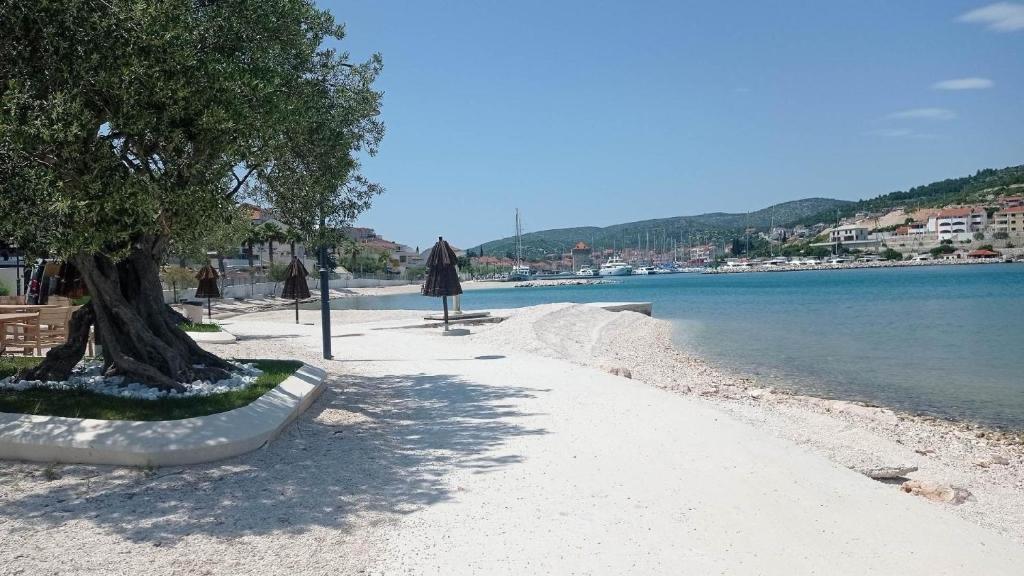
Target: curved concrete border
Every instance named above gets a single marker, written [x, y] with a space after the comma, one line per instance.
[165, 442]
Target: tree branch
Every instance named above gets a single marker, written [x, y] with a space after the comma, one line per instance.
[240, 181]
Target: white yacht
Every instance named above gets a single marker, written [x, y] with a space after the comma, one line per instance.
[586, 271]
[644, 270]
[615, 266]
[520, 273]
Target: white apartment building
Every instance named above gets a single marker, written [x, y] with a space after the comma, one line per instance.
[958, 223]
[849, 233]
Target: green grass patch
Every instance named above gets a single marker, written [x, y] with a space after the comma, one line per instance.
[74, 404]
[190, 327]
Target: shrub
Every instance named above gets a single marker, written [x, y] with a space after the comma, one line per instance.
[890, 254]
[277, 272]
[942, 249]
[946, 242]
[1001, 235]
[979, 235]
[4, 290]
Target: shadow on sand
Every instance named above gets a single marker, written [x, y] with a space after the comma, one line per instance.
[375, 446]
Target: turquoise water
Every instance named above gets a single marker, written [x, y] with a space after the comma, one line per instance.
[941, 340]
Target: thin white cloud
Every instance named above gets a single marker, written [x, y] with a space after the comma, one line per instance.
[901, 133]
[1001, 16]
[923, 114]
[891, 132]
[964, 84]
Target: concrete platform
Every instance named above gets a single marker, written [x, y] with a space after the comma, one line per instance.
[161, 443]
[453, 317]
[641, 307]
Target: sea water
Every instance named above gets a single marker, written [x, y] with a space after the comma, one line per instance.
[940, 340]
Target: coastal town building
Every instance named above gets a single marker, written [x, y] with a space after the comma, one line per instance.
[958, 223]
[704, 253]
[582, 255]
[1009, 220]
[849, 233]
[1011, 201]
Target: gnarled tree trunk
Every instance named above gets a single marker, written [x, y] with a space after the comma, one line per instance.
[139, 333]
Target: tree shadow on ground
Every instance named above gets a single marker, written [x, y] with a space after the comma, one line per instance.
[368, 446]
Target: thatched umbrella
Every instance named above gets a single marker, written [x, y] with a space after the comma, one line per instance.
[295, 285]
[442, 275]
[208, 288]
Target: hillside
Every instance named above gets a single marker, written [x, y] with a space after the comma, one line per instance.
[662, 230]
[980, 188]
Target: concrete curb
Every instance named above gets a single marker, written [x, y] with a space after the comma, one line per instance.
[165, 442]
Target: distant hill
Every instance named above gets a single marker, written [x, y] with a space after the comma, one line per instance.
[662, 230]
[981, 188]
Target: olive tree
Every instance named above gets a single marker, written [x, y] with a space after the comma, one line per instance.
[129, 128]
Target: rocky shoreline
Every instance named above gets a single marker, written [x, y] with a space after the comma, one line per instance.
[852, 265]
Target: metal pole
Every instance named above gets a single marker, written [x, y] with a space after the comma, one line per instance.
[325, 288]
[444, 299]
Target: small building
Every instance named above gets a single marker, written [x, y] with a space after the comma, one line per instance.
[983, 254]
[582, 255]
[1011, 201]
[703, 254]
[849, 233]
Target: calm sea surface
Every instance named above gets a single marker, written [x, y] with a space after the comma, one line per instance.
[940, 340]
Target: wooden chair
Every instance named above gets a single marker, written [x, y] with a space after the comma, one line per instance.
[58, 301]
[22, 337]
[53, 327]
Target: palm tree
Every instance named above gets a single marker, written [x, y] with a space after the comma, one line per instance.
[272, 233]
[292, 236]
[254, 236]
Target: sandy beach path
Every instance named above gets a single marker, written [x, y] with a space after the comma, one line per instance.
[540, 466]
[455, 455]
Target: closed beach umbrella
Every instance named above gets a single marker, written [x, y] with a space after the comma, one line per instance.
[208, 288]
[442, 275]
[295, 285]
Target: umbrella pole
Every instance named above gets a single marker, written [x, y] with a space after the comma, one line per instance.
[296, 310]
[209, 310]
[444, 300]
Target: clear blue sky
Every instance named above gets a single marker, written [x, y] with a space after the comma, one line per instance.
[594, 113]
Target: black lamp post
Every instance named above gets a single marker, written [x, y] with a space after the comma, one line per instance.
[325, 288]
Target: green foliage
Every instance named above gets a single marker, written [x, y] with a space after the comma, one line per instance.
[946, 242]
[942, 249]
[890, 254]
[77, 404]
[979, 235]
[4, 290]
[966, 190]
[1000, 235]
[988, 247]
[277, 272]
[178, 277]
[125, 119]
[190, 327]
